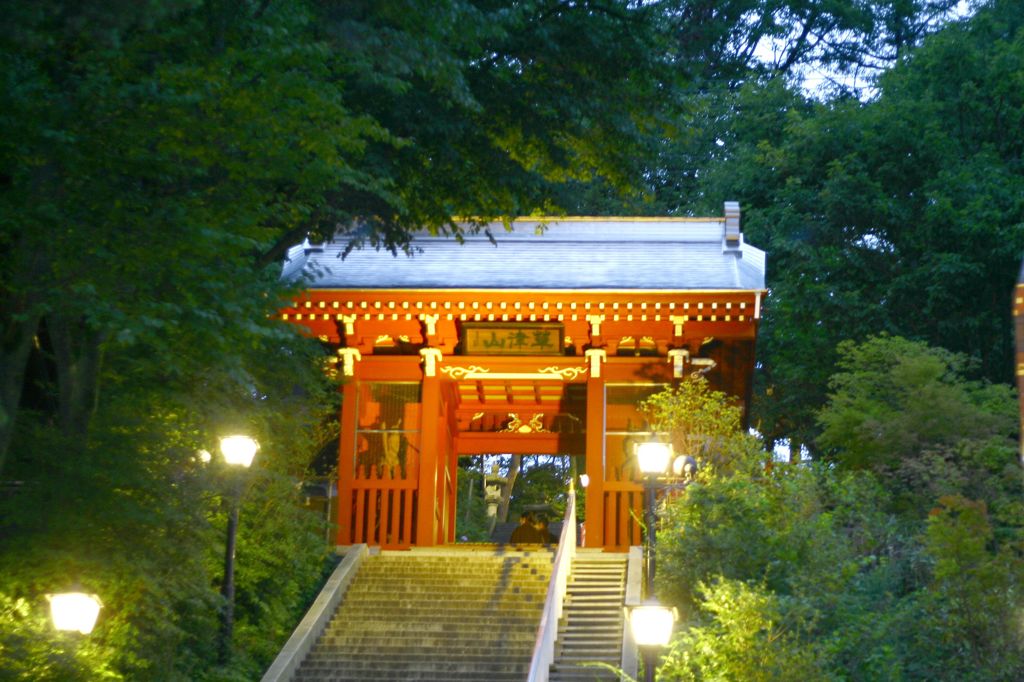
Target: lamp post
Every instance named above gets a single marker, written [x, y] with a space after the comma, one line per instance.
[651, 625]
[652, 458]
[74, 611]
[238, 451]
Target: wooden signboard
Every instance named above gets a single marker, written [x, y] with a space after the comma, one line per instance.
[512, 338]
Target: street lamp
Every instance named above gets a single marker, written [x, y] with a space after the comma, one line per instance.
[651, 625]
[238, 451]
[74, 611]
[652, 458]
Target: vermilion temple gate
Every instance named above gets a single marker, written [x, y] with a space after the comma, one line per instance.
[542, 341]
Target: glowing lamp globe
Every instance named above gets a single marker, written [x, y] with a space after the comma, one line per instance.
[238, 450]
[75, 611]
[653, 458]
[652, 624]
[584, 480]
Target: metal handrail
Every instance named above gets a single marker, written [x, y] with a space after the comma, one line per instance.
[547, 631]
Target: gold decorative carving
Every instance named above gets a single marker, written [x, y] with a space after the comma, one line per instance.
[568, 373]
[517, 425]
[460, 372]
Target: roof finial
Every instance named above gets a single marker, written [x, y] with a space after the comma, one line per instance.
[732, 224]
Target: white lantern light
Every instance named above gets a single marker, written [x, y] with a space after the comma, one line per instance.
[238, 450]
[651, 624]
[584, 480]
[653, 457]
[74, 611]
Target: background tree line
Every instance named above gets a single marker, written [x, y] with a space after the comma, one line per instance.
[158, 157]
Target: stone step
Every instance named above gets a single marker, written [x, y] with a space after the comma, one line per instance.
[465, 626]
[596, 584]
[589, 635]
[592, 621]
[433, 652]
[426, 611]
[407, 675]
[610, 634]
[468, 592]
[429, 619]
[513, 638]
[492, 574]
[584, 674]
[455, 616]
[410, 673]
[426, 597]
[413, 661]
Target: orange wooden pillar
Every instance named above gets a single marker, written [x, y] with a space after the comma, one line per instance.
[595, 455]
[430, 463]
[453, 474]
[346, 459]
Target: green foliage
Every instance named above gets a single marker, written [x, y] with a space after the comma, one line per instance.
[541, 480]
[839, 570]
[905, 411]
[971, 609]
[900, 214]
[471, 520]
[753, 635]
[158, 159]
[701, 422]
[893, 398]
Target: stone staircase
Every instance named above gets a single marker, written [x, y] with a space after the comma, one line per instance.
[441, 616]
[592, 619]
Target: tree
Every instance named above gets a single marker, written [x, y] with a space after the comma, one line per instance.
[895, 559]
[158, 158]
[702, 423]
[900, 214]
[147, 142]
[906, 412]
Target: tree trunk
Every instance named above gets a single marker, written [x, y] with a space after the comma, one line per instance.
[796, 448]
[506, 492]
[14, 352]
[78, 351]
